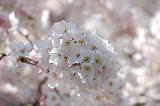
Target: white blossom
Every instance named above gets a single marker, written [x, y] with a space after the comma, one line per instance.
[20, 49]
[81, 53]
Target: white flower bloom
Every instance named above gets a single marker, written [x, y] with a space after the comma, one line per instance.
[86, 70]
[82, 54]
[98, 60]
[85, 57]
[73, 58]
[63, 27]
[56, 42]
[66, 42]
[94, 44]
[44, 44]
[82, 31]
[96, 80]
[20, 49]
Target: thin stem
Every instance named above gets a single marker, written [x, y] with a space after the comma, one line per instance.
[22, 59]
[27, 60]
[2, 55]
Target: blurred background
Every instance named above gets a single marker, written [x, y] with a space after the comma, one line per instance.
[131, 26]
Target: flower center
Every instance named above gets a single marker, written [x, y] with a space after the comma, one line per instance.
[86, 59]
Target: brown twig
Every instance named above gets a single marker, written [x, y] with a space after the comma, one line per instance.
[27, 60]
[22, 59]
[2, 55]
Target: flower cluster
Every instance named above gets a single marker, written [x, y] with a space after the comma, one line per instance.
[88, 59]
[76, 59]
